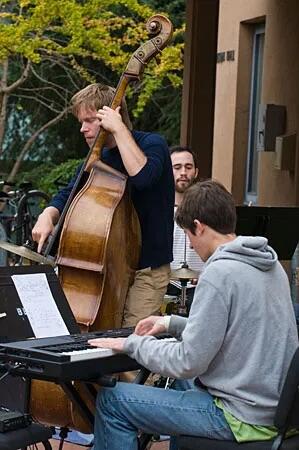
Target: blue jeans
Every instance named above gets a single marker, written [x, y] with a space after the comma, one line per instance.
[124, 410]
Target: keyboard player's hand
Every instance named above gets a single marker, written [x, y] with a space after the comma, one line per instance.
[150, 326]
[116, 344]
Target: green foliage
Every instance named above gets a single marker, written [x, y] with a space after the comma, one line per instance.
[74, 42]
[158, 101]
[95, 29]
[33, 173]
[153, 81]
[33, 28]
[59, 176]
[163, 114]
[175, 9]
[49, 177]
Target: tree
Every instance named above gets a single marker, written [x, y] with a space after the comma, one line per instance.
[46, 52]
[161, 109]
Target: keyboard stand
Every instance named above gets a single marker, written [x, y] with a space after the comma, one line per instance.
[85, 396]
[76, 398]
[80, 389]
[87, 387]
[90, 391]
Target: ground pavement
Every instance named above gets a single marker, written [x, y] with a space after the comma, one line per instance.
[67, 446]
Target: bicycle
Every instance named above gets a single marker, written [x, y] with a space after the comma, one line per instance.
[22, 207]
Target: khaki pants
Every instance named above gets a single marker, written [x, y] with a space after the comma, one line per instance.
[144, 299]
[146, 294]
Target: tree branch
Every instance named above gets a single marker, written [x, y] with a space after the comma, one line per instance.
[30, 141]
[17, 83]
[42, 101]
[3, 102]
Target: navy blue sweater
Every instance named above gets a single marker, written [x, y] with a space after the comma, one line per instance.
[152, 193]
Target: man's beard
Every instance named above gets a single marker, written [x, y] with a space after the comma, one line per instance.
[182, 188]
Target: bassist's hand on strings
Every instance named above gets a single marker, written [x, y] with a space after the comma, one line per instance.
[110, 119]
[44, 226]
[131, 154]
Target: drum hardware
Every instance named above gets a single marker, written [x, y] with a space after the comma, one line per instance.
[183, 275]
[25, 252]
[182, 308]
[176, 304]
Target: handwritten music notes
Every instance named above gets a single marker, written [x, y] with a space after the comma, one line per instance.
[39, 304]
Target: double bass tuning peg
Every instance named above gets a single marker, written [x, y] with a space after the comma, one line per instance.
[154, 27]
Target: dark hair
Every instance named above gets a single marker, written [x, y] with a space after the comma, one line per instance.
[209, 202]
[181, 149]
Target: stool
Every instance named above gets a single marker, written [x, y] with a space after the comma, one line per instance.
[196, 443]
[34, 433]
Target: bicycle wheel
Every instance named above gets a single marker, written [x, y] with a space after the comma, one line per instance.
[3, 253]
[30, 206]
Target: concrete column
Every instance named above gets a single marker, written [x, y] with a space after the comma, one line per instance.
[197, 122]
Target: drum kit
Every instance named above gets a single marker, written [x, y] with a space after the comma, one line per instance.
[183, 275]
[177, 304]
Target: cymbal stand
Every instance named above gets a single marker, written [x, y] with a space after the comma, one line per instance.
[182, 309]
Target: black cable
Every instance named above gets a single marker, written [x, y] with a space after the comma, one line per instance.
[9, 368]
[63, 434]
[4, 375]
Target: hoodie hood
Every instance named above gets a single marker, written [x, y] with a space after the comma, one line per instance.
[252, 250]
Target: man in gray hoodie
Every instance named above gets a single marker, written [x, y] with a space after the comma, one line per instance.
[234, 348]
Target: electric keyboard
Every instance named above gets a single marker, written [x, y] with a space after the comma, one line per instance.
[67, 357]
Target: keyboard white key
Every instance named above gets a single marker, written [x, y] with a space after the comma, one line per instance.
[90, 353]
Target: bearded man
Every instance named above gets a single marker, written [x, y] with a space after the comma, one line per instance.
[185, 172]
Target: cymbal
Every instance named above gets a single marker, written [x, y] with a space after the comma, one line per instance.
[26, 253]
[183, 273]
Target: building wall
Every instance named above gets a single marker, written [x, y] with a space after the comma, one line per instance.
[280, 85]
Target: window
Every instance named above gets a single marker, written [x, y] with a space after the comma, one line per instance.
[251, 193]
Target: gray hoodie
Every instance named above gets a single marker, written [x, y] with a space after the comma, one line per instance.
[240, 335]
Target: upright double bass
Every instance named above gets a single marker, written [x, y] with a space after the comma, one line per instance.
[100, 241]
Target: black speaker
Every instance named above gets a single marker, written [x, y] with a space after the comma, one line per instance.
[14, 393]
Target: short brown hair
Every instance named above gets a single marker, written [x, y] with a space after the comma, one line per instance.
[209, 202]
[95, 96]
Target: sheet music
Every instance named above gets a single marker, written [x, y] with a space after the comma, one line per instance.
[39, 304]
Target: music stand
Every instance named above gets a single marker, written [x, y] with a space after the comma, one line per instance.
[279, 224]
